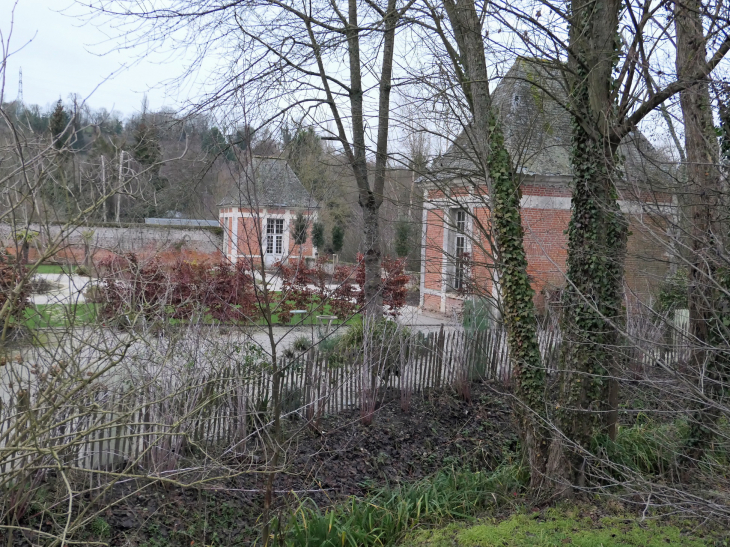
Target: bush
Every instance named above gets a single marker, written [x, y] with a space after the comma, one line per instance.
[384, 339]
[302, 344]
[10, 277]
[645, 447]
[184, 291]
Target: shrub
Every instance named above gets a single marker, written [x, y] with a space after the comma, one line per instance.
[402, 238]
[184, 291]
[10, 277]
[338, 238]
[300, 229]
[302, 344]
[673, 292]
[384, 339]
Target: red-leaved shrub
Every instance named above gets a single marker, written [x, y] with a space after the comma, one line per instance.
[180, 291]
[304, 287]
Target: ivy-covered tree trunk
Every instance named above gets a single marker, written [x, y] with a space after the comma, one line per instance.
[703, 198]
[372, 289]
[597, 233]
[503, 187]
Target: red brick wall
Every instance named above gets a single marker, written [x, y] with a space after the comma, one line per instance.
[434, 246]
[546, 247]
[251, 230]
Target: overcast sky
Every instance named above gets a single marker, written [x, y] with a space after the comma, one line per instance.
[59, 58]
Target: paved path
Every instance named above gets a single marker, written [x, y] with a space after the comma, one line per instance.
[65, 289]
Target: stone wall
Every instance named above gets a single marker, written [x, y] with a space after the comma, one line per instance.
[165, 242]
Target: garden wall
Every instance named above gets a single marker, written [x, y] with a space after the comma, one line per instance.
[166, 242]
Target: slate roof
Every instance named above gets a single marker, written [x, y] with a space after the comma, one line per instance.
[537, 131]
[269, 182]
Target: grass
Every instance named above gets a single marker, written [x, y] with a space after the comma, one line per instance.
[557, 527]
[59, 315]
[653, 448]
[296, 321]
[311, 317]
[54, 269]
[386, 515]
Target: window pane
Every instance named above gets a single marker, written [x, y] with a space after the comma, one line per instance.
[460, 244]
[460, 220]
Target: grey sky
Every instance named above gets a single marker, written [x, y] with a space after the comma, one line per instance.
[59, 60]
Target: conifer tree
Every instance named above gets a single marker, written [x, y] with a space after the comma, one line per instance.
[58, 124]
[318, 235]
[338, 238]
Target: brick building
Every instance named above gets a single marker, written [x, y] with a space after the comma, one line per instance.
[456, 243]
[258, 215]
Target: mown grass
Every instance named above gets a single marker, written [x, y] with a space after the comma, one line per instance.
[43, 316]
[311, 317]
[385, 515]
[558, 526]
[302, 320]
[54, 269]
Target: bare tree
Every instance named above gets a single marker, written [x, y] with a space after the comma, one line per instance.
[296, 66]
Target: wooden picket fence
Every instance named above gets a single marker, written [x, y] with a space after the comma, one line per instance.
[157, 422]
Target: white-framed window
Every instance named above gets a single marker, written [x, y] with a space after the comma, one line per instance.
[225, 235]
[275, 236]
[459, 217]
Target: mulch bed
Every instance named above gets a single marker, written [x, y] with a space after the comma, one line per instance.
[339, 458]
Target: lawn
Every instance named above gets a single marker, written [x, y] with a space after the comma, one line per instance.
[59, 315]
[64, 315]
[555, 527]
[311, 317]
[54, 269]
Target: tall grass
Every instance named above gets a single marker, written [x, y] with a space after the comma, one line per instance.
[654, 448]
[383, 517]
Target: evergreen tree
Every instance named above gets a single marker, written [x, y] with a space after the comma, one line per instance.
[304, 153]
[147, 150]
[79, 141]
[243, 137]
[214, 142]
[338, 238]
[402, 238]
[318, 235]
[58, 124]
[300, 230]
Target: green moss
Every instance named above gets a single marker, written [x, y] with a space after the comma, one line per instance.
[557, 528]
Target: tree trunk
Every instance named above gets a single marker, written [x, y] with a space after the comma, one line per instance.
[703, 198]
[372, 290]
[118, 195]
[370, 199]
[103, 189]
[503, 187]
[597, 236]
